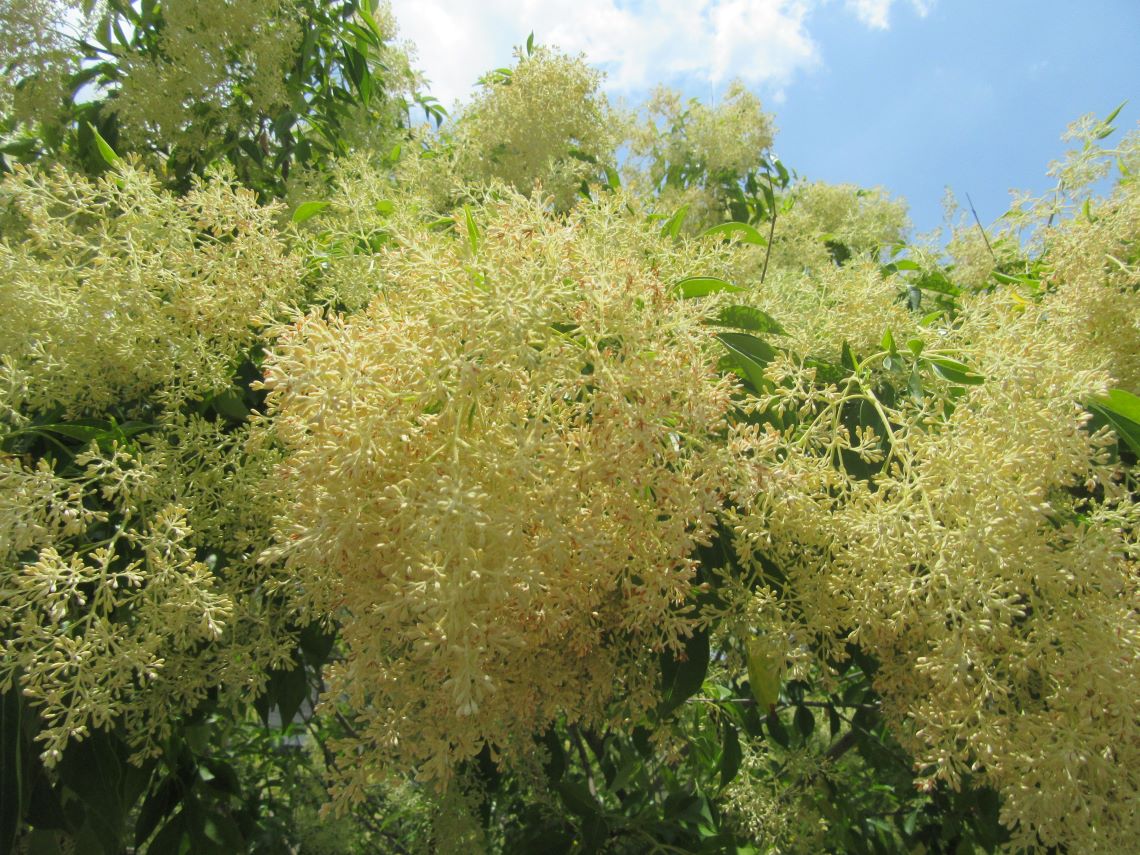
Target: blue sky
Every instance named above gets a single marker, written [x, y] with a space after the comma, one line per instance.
[911, 95]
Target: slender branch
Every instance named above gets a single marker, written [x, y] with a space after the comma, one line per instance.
[981, 228]
[771, 228]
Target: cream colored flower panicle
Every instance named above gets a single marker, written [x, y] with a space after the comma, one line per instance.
[498, 472]
[37, 52]
[115, 608]
[1095, 268]
[541, 126]
[988, 560]
[114, 289]
[218, 60]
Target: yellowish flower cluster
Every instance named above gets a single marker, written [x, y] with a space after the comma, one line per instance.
[35, 54]
[498, 472]
[989, 559]
[218, 59]
[823, 217]
[87, 632]
[1095, 267]
[114, 289]
[727, 139]
[115, 605]
[539, 127]
[689, 149]
[127, 574]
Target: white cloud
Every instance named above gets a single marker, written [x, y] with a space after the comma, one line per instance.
[877, 13]
[639, 43]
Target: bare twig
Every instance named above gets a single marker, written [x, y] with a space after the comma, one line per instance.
[981, 228]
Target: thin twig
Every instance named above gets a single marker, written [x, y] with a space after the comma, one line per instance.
[981, 228]
[771, 229]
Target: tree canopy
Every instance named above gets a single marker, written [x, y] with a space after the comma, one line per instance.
[554, 476]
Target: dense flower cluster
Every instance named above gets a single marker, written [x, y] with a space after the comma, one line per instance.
[544, 124]
[35, 54]
[686, 153]
[216, 60]
[498, 472]
[979, 540]
[126, 576]
[114, 289]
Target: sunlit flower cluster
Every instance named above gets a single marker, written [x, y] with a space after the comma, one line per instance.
[689, 151]
[545, 124]
[498, 472]
[114, 289]
[36, 55]
[829, 222]
[219, 61]
[980, 542]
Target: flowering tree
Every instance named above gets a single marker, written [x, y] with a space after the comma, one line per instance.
[481, 494]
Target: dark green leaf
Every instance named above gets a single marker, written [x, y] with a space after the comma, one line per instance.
[776, 729]
[682, 673]
[804, 721]
[750, 355]
[955, 371]
[230, 405]
[577, 798]
[157, 807]
[730, 755]
[12, 794]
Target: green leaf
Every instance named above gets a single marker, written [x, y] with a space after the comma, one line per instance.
[747, 318]
[777, 730]
[472, 230]
[157, 807]
[702, 286]
[804, 721]
[556, 765]
[682, 673]
[292, 691]
[888, 343]
[673, 225]
[750, 356]
[955, 371]
[105, 150]
[901, 264]
[577, 798]
[530, 44]
[230, 405]
[384, 207]
[308, 210]
[745, 232]
[765, 674]
[12, 794]
[366, 14]
[730, 756]
[1121, 410]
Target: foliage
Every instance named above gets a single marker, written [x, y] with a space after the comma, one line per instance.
[493, 505]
